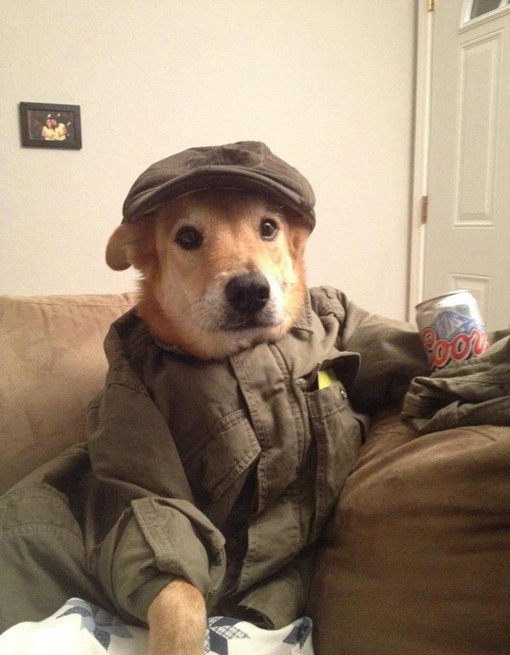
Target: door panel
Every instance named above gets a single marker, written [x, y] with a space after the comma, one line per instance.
[468, 231]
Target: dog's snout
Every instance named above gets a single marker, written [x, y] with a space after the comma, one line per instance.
[248, 293]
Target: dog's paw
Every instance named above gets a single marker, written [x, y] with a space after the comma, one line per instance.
[177, 620]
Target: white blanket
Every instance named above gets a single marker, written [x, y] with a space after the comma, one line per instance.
[80, 628]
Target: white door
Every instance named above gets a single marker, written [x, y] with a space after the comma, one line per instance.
[468, 230]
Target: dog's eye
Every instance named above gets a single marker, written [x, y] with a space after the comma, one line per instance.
[268, 229]
[189, 238]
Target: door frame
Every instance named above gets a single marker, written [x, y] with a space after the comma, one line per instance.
[420, 164]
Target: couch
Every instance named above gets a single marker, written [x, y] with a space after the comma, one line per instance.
[415, 559]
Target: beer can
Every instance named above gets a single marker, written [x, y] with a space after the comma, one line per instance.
[451, 328]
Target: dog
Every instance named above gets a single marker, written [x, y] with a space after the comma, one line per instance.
[221, 271]
[220, 443]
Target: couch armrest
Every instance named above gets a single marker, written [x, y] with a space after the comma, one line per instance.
[416, 558]
[52, 364]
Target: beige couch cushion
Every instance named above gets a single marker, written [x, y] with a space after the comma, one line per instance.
[417, 557]
[51, 349]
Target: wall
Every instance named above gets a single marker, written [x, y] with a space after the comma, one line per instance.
[328, 84]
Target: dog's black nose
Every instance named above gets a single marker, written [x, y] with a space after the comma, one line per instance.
[248, 293]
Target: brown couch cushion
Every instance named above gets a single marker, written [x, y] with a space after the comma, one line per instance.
[51, 349]
[417, 557]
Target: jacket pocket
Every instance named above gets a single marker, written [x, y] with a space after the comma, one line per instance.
[337, 435]
[226, 456]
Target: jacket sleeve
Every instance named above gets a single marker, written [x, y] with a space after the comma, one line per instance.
[278, 600]
[391, 355]
[474, 391]
[142, 528]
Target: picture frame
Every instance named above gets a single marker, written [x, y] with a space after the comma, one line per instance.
[45, 125]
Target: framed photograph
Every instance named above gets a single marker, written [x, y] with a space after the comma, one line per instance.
[50, 126]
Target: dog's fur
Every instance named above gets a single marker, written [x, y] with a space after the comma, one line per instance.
[221, 271]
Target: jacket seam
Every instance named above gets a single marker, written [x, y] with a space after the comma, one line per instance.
[298, 409]
[20, 530]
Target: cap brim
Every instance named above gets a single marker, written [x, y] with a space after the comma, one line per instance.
[153, 193]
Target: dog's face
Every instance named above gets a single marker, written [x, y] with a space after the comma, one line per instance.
[220, 271]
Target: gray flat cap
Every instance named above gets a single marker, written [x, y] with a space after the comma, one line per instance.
[243, 166]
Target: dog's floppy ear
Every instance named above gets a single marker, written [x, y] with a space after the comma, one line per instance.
[298, 234]
[128, 245]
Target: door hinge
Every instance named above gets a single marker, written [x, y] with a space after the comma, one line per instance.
[424, 209]
[431, 5]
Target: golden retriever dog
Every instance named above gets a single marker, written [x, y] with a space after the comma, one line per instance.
[220, 271]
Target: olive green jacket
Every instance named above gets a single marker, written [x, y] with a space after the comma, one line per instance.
[225, 472]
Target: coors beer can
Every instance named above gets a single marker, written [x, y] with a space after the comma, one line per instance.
[451, 328]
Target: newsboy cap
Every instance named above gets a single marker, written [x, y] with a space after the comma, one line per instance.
[242, 166]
